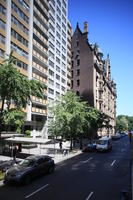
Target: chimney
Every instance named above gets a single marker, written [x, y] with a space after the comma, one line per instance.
[85, 27]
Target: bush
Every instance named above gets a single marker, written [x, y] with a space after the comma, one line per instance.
[28, 133]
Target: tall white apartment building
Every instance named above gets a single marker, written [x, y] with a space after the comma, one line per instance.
[57, 71]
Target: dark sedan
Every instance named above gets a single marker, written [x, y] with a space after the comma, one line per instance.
[30, 168]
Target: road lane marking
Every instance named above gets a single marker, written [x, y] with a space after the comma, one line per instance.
[85, 161]
[36, 191]
[113, 163]
[89, 196]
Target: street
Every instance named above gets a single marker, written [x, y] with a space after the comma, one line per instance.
[88, 176]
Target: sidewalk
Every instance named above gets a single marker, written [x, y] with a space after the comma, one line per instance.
[54, 151]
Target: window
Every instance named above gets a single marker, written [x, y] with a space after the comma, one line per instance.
[51, 18]
[51, 55]
[64, 11]
[63, 49]
[58, 27]
[63, 26]
[2, 10]
[57, 69]
[63, 57]
[58, 43]
[58, 85]
[57, 60]
[57, 94]
[52, 10]
[72, 73]
[77, 93]
[63, 18]
[78, 62]
[19, 37]
[25, 6]
[63, 65]
[63, 80]
[51, 27]
[51, 72]
[63, 88]
[57, 77]
[78, 82]
[77, 43]
[78, 72]
[21, 64]
[19, 50]
[58, 35]
[58, 10]
[51, 91]
[63, 41]
[64, 34]
[18, 24]
[63, 73]
[58, 18]
[2, 39]
[51, 45]
[50, 81]
[2, 53]
[53, 2]
[58, 52]
[71, 83]
[59, 3]
[20, 13]
[2, 24]
[72, 63]
[52, 37]
[51, 64]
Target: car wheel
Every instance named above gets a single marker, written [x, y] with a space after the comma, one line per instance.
[26, 180]
[51, 169]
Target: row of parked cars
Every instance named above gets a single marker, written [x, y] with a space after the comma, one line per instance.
[103, 144]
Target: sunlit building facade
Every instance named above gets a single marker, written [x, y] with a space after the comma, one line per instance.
[91, 77]
[24, 29]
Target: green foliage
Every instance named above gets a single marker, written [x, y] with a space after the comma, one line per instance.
[16, 88]
[72, 118]
[14, 117]
[124, 123]
[28, 133]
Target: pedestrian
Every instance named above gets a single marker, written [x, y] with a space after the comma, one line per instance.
[60, 144]
[130, 136]
[14, 153]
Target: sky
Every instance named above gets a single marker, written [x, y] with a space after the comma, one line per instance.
[110, 24]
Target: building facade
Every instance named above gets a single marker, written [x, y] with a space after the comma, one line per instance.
[57, 72]
[91, 77]
[39, 34]
[24, 29]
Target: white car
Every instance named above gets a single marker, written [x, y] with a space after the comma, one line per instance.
[104, 144]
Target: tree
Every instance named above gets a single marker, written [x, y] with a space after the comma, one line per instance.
[17, 89]
[73, 118]
[14, 117]
[69, 116]
[121, 123]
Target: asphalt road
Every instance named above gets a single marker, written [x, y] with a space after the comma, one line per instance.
[89, 176]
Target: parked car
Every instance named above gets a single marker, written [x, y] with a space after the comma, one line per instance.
[116, 136]
[90, 147]
[29, 168]
[104, 144]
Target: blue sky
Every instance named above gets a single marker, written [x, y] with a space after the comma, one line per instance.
[110, 24]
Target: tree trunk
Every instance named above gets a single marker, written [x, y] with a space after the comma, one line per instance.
[81, 142]
[71, 142]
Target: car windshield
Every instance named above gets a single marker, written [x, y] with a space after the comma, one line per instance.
[27, 162]
[102, 142]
